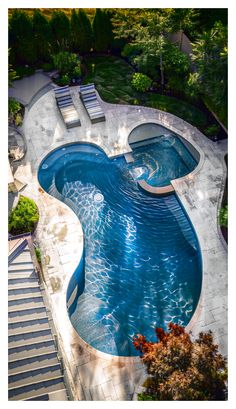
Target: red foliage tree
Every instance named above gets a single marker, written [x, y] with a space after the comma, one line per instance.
[182, 369]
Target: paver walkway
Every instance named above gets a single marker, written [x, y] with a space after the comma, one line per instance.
[93, 375]
[25, 89]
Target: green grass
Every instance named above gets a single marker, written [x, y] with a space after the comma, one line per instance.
[112, 77]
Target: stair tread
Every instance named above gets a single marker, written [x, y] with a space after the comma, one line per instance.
[37, 389]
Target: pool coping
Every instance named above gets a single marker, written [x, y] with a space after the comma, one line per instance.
[34, 187]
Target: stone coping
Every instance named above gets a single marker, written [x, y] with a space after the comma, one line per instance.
[60, 233]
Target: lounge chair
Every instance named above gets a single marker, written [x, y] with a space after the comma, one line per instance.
[66, 107]
[89, 99]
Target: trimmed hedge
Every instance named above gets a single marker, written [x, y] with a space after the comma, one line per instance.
[24, 217]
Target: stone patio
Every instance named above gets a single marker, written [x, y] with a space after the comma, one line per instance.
[95, 375]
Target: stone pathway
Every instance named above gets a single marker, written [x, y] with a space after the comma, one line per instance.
[25, 89]
[94, 375]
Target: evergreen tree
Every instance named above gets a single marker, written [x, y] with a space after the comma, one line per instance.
[81, 32]
[21, 38]
[60, 26]
[102, 29]
[42, 36]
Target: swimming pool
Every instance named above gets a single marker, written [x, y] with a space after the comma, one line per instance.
[142, 261]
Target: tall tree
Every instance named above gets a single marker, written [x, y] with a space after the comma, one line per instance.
[42, 35]
[81, 31]
[102, 30]
[182, 20]
[21, 38]
[182, 369]
[60, 26]
[210, 59]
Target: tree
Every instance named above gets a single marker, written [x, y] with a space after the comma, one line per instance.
[11, 73]
[81, 32]
[42, 35]
[102, 29]
[210, 77]
[21, 38]
[60, 26]
[182, 20]
[148, 30]
[182, 369]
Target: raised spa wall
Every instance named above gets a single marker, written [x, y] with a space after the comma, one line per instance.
[138, 135]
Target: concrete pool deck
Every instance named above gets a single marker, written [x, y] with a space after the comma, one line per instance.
[94, 375]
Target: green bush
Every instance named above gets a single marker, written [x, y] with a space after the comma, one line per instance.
[223, 216]
[141, 82]
[145, 396]
[24, 71]
[14, 108]
[65, 62]
[64, 80]
[24, 217]
[47, 66]
[77, 71]
[38, 254]
[212, 130]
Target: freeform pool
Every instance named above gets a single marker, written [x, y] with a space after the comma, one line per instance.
[142, 259]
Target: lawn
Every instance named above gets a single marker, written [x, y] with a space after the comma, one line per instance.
[112, 77]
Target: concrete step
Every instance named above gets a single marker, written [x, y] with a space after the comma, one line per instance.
[37, 361]
[15, 305]
[20, 327]
[31, 313]
[29, 338]
[38, 348]
[20, 266]
[34, 375]
[22, 280]
[35, 389]
[60, 395]
[22, 274]
[22, 291]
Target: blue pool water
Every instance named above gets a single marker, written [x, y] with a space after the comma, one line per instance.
[161, 159]
[142, 258]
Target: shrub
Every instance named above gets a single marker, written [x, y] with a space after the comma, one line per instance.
[47, 66]
[24, 71]
[18, 119]
[65, 62]
[64, 80]
[223, 216]
[38, 254]
[141, 82]
[77, 71]
[24, 217]
[182, 369]
[212, 130]
[15, 112]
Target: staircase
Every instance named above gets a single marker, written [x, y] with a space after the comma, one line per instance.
[35, 372]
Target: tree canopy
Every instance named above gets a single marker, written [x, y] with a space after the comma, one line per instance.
[182, 369]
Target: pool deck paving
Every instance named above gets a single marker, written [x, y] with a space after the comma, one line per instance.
[94, 375]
